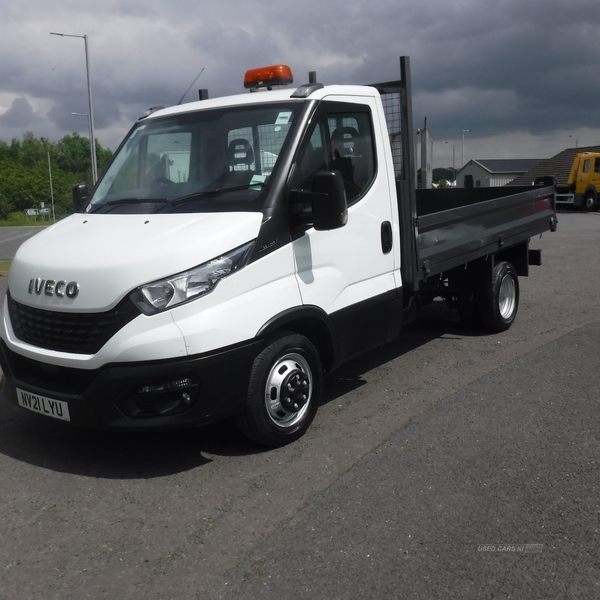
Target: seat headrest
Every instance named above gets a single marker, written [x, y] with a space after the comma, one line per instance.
[239, 152]
[344, 139]
[341, 132]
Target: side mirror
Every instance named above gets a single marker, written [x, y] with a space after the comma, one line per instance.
[80, 196]
[329, 208]
[324, 207]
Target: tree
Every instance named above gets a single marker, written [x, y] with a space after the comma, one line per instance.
[24, 173]
[73, 154]
[439, 173]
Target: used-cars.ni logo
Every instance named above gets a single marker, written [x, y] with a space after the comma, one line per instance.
[51, 287]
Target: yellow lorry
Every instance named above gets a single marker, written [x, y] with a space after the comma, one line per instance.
[582, 188]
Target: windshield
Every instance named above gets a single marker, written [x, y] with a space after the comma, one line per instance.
[203, 161]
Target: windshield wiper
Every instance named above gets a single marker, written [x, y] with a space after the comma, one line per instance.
[182, 200]
[121, 201]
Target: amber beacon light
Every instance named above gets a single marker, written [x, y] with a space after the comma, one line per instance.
[268, 76]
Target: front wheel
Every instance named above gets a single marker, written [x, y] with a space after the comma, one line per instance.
[283, 393]
[589, 202]
[499, 305]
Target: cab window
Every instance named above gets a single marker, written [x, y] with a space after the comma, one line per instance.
[341, 140]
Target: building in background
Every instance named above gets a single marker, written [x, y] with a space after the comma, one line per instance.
[494, 172]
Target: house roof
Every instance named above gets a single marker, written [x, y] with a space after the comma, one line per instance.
[507, 165]
[504, 166]
[559, 166]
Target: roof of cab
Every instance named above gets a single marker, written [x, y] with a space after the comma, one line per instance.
[263, 97]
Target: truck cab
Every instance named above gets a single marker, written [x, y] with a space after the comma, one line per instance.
[583, 186]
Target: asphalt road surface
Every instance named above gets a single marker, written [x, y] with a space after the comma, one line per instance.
[446, 465]
[12, 237]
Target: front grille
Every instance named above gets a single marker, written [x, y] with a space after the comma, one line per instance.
[49, 378]
[79, 333]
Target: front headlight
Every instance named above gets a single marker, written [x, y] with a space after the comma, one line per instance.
[169, 292]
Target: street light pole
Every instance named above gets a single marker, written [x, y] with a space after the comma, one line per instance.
[463, 145]
[91, 111]
[453, 163]
[51, 189]
[88, 118]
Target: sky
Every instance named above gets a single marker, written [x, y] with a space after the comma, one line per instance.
[494, 78]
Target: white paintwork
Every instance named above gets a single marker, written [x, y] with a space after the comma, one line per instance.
[233, 312]
[111, 255]
[241, 304]
[353, 91]
[345, 266]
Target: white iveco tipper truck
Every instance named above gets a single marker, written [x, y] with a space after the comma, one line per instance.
[237, 249]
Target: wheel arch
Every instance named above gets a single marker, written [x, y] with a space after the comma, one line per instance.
[314, 324]
[517, 256]
[591, 189]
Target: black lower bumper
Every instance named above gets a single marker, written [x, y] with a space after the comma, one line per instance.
[148, 395]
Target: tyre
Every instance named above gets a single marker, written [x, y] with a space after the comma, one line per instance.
[589, 202]
[498, 306]
[283, 393]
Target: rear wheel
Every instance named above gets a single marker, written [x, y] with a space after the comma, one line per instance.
[499, 305]
[283, 393]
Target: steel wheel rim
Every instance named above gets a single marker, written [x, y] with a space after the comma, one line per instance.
[289, 370]
[507, 297]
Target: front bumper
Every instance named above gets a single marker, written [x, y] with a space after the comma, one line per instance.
[567, 199]
[132, 396]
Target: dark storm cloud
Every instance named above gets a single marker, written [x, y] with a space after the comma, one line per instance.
[495, 66]
[498, 65]
[19, 116]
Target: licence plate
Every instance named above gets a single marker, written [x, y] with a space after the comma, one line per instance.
[44, 406]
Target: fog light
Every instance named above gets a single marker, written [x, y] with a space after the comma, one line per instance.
[165, 387]
[161, 399]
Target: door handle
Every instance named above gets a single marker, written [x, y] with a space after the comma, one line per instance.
[386, 237]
